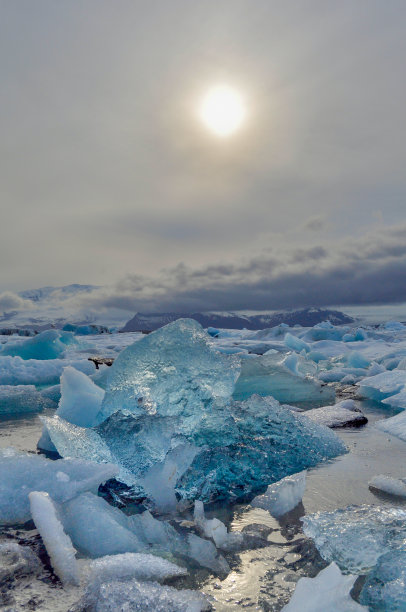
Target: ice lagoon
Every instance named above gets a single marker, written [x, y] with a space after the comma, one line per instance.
[182, 416]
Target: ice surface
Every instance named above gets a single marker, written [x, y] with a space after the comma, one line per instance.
[342, 414]
[124, 596]
[385, 587]
[383, 386]
[216, 530]
[398, 400]
[140, 566]
[21, 473]
[282, 496]
[329, 591]
[49, 344]
[269, 375]
[80, 399]
[21, 399]
[57, 543]
[16, 560]
[389, 485]
[355, 537]
[205, 553]
[173, 371]
[396, 425]
[17, 371]
[296, 344]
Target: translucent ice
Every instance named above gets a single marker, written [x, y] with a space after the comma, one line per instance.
[49, 344]
[140, 566]
[296, 344]
[21, 399]
[173, 371]
[385, 587]
[389, 485]
[144, 596]
[396, 425]
[282, 496]
[383, 385]
[21, 473]
[57, 543]
[216, 530]
[205, 553]
[17, 371]
[355, 537]
[329, 591]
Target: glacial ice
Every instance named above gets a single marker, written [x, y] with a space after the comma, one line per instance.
[396, 425]
[16, 561]
[49, 344]
[289, 382]
[329, 591]
[143, 596]
[171, 372]
[138, 566]
[21, 399]
[355, 537]
[343, 414]
[216, 530]
[383, 386]
[17, 371]
[281, 497]
[385, 587]
[57, 543]
[205, 553]
[389, 485]
[296, 344]
[21, 473]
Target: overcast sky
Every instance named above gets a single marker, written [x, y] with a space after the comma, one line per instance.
[109, 178]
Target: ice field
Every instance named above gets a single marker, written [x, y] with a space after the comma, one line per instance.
[205, 469]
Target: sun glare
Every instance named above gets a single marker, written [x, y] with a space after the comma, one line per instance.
[222, 110]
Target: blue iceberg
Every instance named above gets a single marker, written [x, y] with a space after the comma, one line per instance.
[49, 344]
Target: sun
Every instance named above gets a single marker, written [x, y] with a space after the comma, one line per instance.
[222, 110]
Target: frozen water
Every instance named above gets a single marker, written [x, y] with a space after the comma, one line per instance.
[383, 386]
[396, 425]
[282, 496]
[50, 344]
[343, 414]
[140, 566]
[173, 371]
[21, 399]
[389, 485]
[80, 398]
[143, 596]
[329, 591]
[21, 473]
[296, 344]
[58, 544]
[385, 587]
[16, 560]
[205, 553]
[216, 530]
[398, 400]
[355, 537]
[288, 382]
[17, 371]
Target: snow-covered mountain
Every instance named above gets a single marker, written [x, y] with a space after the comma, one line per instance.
[305, 316]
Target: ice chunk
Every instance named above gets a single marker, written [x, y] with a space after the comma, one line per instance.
[52, 393]
[16, 561]
[355, 537]
[21, 473]
[281, 497]
[343, 414]
[58, 544]
[394, 326]
[216, 530]
[17, 371]
[21, 399]
[396, 425]
[80, 398]
[144, 596]
[205, 553]
[96, 528]
[383, 385]
[296, 344]
[173, 371]
[397, 401]
[49, 344]
[329, 591]
[389, 485]
[288, 382]
[385, 587]
[357, 360]
[140, 566]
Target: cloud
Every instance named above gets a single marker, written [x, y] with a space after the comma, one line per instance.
[370, 270]
[11, 301]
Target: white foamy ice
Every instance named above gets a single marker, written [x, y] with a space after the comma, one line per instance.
[80, 403]
[57, 543]
[387, 484]
[138, 566]
[18, 371]
[340, 415]
[282, 496]
[133, 595]
[216, 530]
[329, 591]
[21, 473]
[396, 425]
